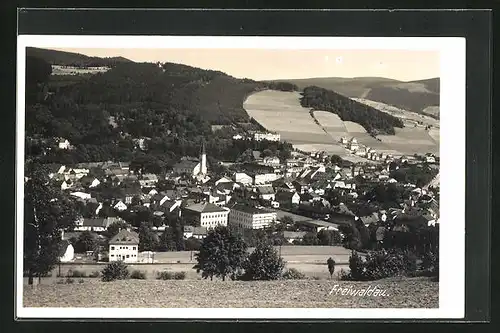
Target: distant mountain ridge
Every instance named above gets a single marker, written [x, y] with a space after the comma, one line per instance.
[413, 96]
[63, 58]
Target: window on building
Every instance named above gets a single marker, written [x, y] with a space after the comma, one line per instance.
[112, 248]
[133, 248]
[112, 255]
[128, 256]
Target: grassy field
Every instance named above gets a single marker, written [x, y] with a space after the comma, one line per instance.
[400, 293]
[311, 260]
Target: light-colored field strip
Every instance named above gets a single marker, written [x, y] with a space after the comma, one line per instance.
[353, 127]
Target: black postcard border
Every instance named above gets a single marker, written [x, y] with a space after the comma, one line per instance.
[474, 25]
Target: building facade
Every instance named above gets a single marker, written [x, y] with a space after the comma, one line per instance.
[246, 217]
[259, 136]
[124, 246]
[206, 215]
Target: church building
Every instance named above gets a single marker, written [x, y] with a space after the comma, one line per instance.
[195, 167]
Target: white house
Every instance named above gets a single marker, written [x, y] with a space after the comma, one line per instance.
[94, 183]
[259, 136]
[120, 206]
[241, 177]
[148, 180]
[288, 198]
[247, 217]
[271, 161]
[124, 246]
[67, 252]
[63, 144]
[237, 137]
[353, 144]
[266, 192]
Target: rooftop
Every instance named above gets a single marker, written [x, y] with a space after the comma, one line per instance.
[250, 209]
[125, 236]
[205, 208]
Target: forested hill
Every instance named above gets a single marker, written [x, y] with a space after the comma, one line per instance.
[170, 105]
[55, 57]
[374, 121]
[171, 89]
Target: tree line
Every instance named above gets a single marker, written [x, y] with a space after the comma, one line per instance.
[373, 120]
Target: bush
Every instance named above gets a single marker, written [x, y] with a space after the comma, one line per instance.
[381, 264]
[69, 280]
[179, 275]
[293, 274]
[81, 281]
[60, 281]
[116, 270]
[139, 275]
[165, 275]
[77, 274]
[94, 274]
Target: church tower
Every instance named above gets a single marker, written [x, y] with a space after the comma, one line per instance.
[203, 160]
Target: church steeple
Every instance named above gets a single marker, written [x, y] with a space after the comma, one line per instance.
[203, 159]
[203, 152]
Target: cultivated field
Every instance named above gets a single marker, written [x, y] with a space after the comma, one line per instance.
[281, 112]
[401, 293]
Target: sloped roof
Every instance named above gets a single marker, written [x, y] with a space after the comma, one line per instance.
[250, 209]
[125, 236]
[185, 164]
[200, 231]
[370, 218]
[266, 189]
[284, 195]
[294, 234]
[205, 208]
[98, 222]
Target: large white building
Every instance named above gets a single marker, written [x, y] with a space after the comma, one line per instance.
[259, 136]
[247, 217]
[264, 178]
[124, 246]
[241, 177]
[206, 215]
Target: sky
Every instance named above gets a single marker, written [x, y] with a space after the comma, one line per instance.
[267, 64]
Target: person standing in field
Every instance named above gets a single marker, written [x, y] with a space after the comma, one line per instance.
[331, 266]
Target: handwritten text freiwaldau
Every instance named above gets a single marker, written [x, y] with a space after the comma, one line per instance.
[349, 291]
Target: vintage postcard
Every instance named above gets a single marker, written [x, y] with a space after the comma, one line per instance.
[272, 177]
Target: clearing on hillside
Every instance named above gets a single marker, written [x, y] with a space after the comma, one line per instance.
[281, 112]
